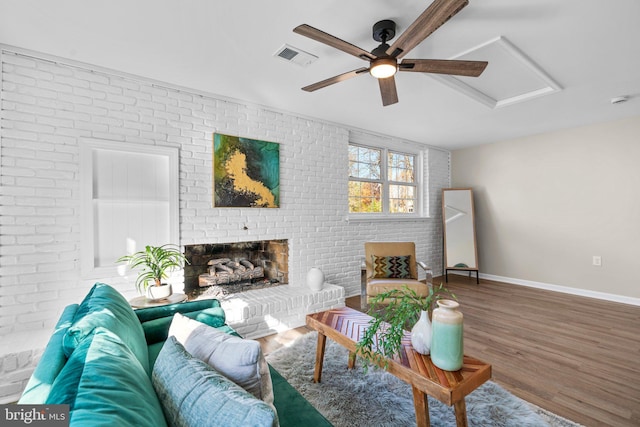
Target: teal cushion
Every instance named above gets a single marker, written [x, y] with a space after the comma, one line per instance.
[156, 330]
[150, 313]
[391, 267]
[293, 409]
[104, 306]
[104, 384]
[212, 316]
[193, 394]
[51, 362]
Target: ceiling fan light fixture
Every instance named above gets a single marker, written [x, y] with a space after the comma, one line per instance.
[383, 60]
[382, 68]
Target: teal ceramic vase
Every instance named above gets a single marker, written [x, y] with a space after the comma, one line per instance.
[447, 350]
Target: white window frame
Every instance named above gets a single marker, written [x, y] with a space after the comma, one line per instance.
[418, 184]
[88, 150]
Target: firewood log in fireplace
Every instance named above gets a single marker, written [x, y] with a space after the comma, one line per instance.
[225, 271]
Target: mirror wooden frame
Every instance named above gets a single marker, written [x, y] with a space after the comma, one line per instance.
[468, 237]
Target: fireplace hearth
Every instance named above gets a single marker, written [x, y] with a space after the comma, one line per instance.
[221, 269]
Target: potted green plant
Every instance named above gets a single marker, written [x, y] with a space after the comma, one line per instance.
[393, 313]
[155, 262]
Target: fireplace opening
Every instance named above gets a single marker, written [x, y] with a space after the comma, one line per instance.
[221, 269]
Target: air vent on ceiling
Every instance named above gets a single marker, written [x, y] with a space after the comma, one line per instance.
[294, 55]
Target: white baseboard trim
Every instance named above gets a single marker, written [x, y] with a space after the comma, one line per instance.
[564, 289]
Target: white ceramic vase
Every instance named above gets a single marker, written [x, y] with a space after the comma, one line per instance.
[315, 279]
[421, 334]
[156, 293]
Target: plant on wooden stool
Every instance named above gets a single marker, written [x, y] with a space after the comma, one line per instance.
[393, 313]
[156, 262]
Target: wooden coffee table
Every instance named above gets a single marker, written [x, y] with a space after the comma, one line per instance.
[345, 326]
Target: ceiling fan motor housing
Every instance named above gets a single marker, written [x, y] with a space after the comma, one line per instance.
[381, 51]
[384, 30]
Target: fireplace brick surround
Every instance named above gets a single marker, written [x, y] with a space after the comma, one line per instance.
[258, 307]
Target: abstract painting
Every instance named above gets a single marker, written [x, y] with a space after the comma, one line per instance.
[246, 172]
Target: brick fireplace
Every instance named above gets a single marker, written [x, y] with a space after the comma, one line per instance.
[221, 269]
[271, 303]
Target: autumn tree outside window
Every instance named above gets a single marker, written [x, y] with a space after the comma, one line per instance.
[382, 181]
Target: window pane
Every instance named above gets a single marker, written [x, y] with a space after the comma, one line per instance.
[365, 196]
[401, 167]
[402, 199]
[364, 162]
[368, 181]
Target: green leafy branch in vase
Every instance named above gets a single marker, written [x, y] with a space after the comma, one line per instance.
[393, 313]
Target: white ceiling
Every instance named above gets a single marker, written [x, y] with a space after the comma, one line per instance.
[589, 47]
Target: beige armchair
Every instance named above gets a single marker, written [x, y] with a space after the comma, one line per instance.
[378, 280]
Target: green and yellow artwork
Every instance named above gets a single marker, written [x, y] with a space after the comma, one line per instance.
[246, 172]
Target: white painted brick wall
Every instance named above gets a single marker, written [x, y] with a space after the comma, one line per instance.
[47, 107]
[15, 370]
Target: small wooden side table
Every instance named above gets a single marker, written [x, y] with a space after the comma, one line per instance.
[143, 302]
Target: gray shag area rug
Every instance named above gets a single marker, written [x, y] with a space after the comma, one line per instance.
[352, 398]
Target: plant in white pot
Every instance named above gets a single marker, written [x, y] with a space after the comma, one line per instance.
[155, 262]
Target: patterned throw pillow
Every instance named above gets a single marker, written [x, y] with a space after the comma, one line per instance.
[392, 267]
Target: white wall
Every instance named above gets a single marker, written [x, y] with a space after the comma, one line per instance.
[49, 105]
[547, 204]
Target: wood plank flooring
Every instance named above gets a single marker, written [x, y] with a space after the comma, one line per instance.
[575, 356]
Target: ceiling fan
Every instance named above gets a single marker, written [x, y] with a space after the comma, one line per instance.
[383, 60]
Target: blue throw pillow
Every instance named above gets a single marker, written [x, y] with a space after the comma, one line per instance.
[193, 394]
[104, 384]
[104, 306]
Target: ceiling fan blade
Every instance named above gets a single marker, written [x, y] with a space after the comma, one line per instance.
[328, 39]
[388, 91]
[334, 79]
[444, 66]
[439, 12]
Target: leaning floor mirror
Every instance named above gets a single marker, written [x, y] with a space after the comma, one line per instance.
[460, 249]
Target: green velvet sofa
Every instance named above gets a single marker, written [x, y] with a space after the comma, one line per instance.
[101, 355]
